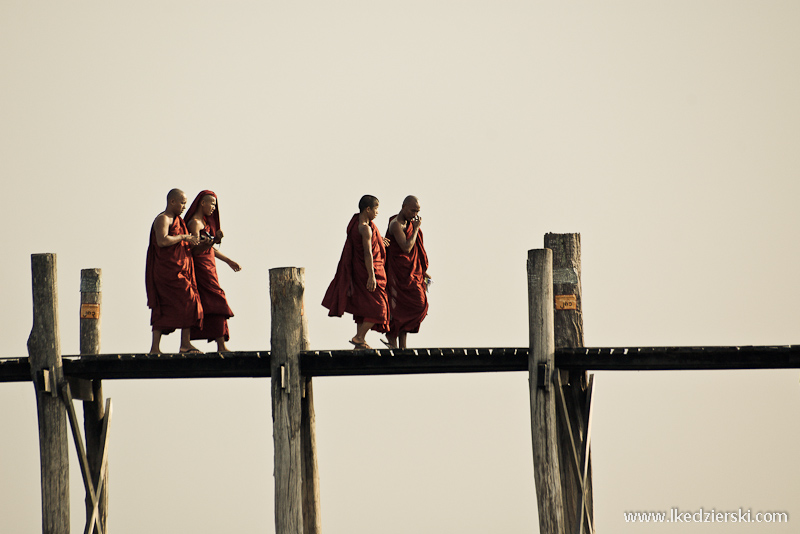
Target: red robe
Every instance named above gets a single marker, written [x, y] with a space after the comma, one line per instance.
[408, 300]
[171, 288]
[348, 290]
[216, 311]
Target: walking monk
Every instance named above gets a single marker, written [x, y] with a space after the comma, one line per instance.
[407, 273]
[359, 286]
[202, 220]
[169, 276]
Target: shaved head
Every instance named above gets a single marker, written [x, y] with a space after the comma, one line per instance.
[410, 200]
[367, 201]
[174, 194]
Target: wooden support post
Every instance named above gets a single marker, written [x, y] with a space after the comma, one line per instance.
[93, 410]
[543, 400]
[296, 484]
[569, 334]
[311, 512]
[44, 349]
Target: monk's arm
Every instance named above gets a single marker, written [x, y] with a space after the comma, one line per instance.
[163, 239]
[366, 238]
[232, 264]
[400, 236]
[194, 226]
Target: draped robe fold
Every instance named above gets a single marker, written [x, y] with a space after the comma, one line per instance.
[405, 272]
[171, 287]
[216, 311]
[348, 290]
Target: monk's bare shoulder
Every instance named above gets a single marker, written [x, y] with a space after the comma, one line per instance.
[194, 225]
[396, 228]
[365, 230]
[162, 220]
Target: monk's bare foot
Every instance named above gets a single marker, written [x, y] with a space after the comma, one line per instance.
[222, 348]
[154, 350]
[191, 349]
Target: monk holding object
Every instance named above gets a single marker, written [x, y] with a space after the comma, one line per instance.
[359, 286]
[407, 273]
[202, 220]
[169, 276]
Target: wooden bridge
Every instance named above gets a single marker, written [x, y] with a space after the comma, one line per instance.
[256, 364]
[557, 362]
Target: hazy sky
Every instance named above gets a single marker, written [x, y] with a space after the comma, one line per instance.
[665, 133]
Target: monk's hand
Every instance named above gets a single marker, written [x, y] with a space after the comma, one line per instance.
[235, 266]
[385, 241]
[218, 237]
[192, 239]
[416, 221]
[371, 284]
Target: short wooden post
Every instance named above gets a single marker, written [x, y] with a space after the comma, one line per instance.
[44, 350]
[543, 401]
[94, 410]
[569, 334]
[296, 497]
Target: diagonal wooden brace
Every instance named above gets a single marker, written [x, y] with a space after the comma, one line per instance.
[66, 396]
[587, 442]
[98, 483]
[562, 406]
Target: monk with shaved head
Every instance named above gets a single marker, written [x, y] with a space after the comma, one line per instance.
[172, 294]
[359, 286]
[406, 273]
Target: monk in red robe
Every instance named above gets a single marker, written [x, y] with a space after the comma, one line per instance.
[169, 276]
[359, 286]
[202, 220]
[407, 273]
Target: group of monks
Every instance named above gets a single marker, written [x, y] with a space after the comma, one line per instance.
[183, 290]
[381, 281]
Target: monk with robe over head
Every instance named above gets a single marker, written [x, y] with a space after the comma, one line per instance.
[406, 273]
[172, 292]
[359, 286]
[202, 220]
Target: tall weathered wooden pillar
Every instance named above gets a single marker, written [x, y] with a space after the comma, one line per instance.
[44, 350]
[296, 478]
[543, 401]
[569, 334]
[93, 410]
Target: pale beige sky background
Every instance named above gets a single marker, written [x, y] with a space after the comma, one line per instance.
[665, 133]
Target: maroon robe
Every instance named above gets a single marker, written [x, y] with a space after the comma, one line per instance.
[216, 311]
[348, 290]
[405, 272]
[171, 287]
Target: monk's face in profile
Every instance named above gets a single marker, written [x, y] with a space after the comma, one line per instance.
[208, 205]
[372, 212]
[410, 210]
[178, 204]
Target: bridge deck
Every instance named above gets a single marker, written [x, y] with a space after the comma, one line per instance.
[411, 361]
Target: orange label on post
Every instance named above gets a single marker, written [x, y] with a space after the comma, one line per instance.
[566, 302]
[90, 311]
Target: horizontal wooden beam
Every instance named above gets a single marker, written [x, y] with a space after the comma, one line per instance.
[679, 358]
[411, 361]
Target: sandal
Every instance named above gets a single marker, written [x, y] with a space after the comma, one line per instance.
[359, 346]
